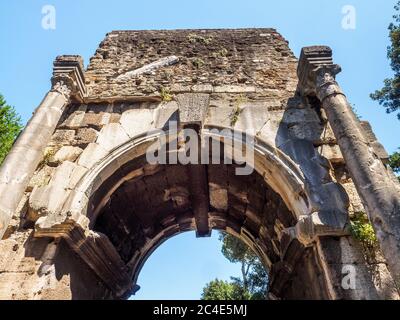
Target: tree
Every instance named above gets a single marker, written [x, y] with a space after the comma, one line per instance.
[219, 290]
[252, 285]
[389, 95]
[10, 126]
[394, 162]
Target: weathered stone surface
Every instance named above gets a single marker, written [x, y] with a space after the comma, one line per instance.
[84, 136]
[111, 136]
[92, 154]
[63, 137]
[75, 119]
[192, 108]
[41, 177]
[93, 120]
[331, 152]
[66, 153]
[375, 186]
[50, 198]
[137, 121]
[97, 196]
[165, 113]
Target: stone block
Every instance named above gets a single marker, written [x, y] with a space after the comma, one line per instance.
[137, 121]
[380, 151]
[93, 120]
[41, 177]
[92, 154]
[367, 130]
[111, 136]
[75, 119]
[218, 197]
[355, 201]
[234, 89]
[84, 136]
[62, 137]
[66, 153]
[51, 197]
[331, 152]
[165, 113]
[193, 108]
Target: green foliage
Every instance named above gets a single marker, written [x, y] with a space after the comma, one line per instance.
[165, 94]
[237, 110]
[221, 52]
[10, 127]
[235, 250]
[252, 285]
[389, 95]
[362, 230]
[394, 162]
[195, 38]
[198, 63]
[222, 290]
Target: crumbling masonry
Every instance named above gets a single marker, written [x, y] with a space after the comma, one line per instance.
[81, 209]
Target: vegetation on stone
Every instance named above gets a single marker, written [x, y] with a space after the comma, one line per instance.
[362, 230]
[165, 94]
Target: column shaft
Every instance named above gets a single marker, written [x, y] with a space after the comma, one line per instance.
[372, 180]
[375, 185]
[26, 153]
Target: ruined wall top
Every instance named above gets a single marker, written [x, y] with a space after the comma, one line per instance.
[142, 63]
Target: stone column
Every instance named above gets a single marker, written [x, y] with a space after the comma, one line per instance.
[26, 153]
[377, 189]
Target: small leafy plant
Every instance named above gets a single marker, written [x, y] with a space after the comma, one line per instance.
[237, 110]
[165, 94]
[195, 38]
[198, 63]
[362, 230]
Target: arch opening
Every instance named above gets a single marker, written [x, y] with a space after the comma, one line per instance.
[186, 267]
[136, 206]
[147, 210]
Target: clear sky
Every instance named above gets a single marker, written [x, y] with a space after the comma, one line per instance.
[182, 265]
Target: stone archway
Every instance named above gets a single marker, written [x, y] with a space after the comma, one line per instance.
[123, 208]
[123, 180]
[63, 213]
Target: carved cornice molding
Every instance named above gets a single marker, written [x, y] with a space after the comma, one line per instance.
[69, 78]
[96, 250]
[316, 72]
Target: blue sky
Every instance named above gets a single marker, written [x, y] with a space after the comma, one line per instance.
[181, 266]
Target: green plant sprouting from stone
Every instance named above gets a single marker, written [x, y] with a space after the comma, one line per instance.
[221, 52]
[48, 154]
[362, 230]
[165, 94]
[237, 110]
[198, 63]
[195, 38]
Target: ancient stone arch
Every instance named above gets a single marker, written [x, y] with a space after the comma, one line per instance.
[81, 207]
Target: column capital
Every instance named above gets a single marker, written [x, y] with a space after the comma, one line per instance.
[316, 72]
[68, 77]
